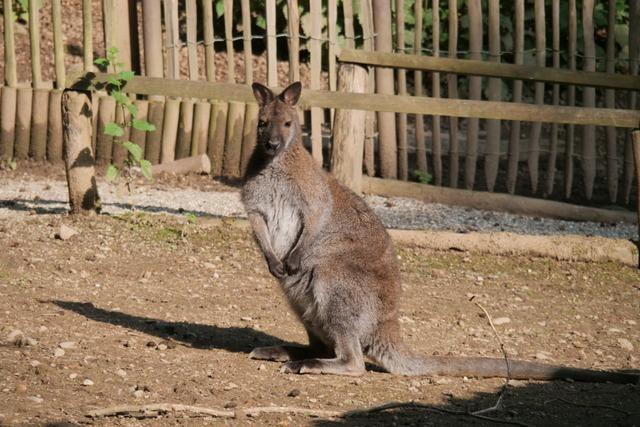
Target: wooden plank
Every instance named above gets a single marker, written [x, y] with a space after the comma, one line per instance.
[316, 68]
[514, 136]
[553, 146]
[610, 101]
[216, 138]
[185, 129]
[452, 93]
[10, 67]
[170, 130]
[116, 18]
[366, 21]
[293, 26]
[87, 37]
[153, 140]
[200, 128]
[634, 64]
[249, 135]
[475, 92]
[528, 73]
[376, 102]
[34, 40]
[7, 121]
[387, 144]
[207, 29]
[104, 143]
[39, 117]
[494, 93]
[228, 36]
[172, 39]
[332, 16]
[403, 155]
[54, 127]
[533, 160]
[58, 43]
[272, 54]
[137, 136]
[349, 34]
[571, 99]
[23, 123]
[192, 27]
[246, 42]
[436, 138]
[635, 135]
[233, 142]
[493, 201]
[152, 30]
[589, 155]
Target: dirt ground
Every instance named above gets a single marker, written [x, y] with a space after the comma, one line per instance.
[140, 308]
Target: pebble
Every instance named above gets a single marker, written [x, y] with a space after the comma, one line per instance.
[121, 373]
[65, 232]
[501, 321]
[21, 388]
[542, 355]
[73, 376]
[230, 386]
[138, 394]
[294, 393]
[36, 399]
[87, 382]
[162, 347]
[625, 344]
[67, 345]
[19, 339]
[58, 352]
[262, 367]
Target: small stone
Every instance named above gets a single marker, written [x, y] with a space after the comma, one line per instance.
[19, 339]
[230, 386]
[262, 367]
[442, 381]
[501, 321]
[162, 347]
[36, 399]
[67, 345]
[73, 376]
[151, 344]
[34, 363]
[21, 388]
[541, 355]
[87, 382]
[294, 393]
[65, 232]
[246, 319]
[121, 373]
[630, 322]
[230, 405]
[209, 265]
[138, 394]
[58, 352]
[406, 319]
[625, 344]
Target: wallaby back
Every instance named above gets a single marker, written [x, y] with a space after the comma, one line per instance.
[337, 266]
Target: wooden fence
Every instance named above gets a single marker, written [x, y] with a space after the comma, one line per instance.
[152, 40]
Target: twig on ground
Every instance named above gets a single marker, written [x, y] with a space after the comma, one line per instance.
[582, 405]
[155, 409]
[498, 404]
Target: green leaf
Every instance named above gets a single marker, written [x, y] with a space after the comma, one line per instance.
[113, 129]
[143, 125]
[114, 81]
[191, 217]
[126, 75]
[219, 8]
[134, 149]
[120, 97]
[133, 109]
[112, 173]
[145, 167]
[13, 164]
[102, 61]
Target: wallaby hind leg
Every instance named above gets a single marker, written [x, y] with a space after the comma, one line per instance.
[348, 361]
[285, 353]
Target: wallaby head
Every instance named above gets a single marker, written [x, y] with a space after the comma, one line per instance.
[278, 125]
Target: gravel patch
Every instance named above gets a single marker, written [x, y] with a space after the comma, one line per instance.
[40, 196]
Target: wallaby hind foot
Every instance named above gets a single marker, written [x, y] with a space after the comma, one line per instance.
[333, 366]
[286, 353]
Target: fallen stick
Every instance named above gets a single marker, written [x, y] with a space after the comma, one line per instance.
[193, 164]
[155, 409]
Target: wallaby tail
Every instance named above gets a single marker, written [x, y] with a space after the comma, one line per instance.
[397, 360]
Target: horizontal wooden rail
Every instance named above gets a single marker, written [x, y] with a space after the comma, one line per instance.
[375, 102]
[490, 69]
[493, 201]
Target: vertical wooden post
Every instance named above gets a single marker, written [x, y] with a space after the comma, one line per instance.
[58, 43]
[385, 85]
[293, 23]
[635, 138]
[610, 101]
[452, 89]
[217, 136]
[571, 99]
[152, 32]
[403, 155]
[116, 29]
[514, 137]
[475, 92]
[272, 54]
[104, 143]
[316, 69]
[246, 42]
[348, 131]
[588, 100]
[634, 63]
[349, 35]
[87, 36]
[23, 123]
[492, 144]
[332, 16]
[54, 130]
[10, 68]
[228, 36]
[436, 139]
[170, 130]
[153, 140]
[235, 118]
[207, 29]
[366, 14]
[7, 122]
[553, 149]
[172, 38]
[200, 127]
[192, 28]
[251, 112]
[78, 155]
[140, 137]
[119, 153]
[233, 143]
[34, 38]
[39, 117]
[185, 129]
[536, 127]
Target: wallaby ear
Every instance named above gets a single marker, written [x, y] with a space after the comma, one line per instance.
[291, 94]
[262, 93]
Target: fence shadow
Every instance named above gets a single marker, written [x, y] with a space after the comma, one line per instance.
[542, 403]
[201, 336]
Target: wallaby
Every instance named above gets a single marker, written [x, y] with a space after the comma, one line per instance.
[337, 266]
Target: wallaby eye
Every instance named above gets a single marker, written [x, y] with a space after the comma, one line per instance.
[287, 124]
[262, 123]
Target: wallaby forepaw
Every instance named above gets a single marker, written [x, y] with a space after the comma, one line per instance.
[276, 267]
[292, 263]
[275, 353]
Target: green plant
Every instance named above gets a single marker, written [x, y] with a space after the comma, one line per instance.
[8, 164]
[422, 177]
[191, 217]
[116, 81]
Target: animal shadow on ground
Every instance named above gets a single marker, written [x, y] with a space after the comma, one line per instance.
[555, 403]
[235, 339]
